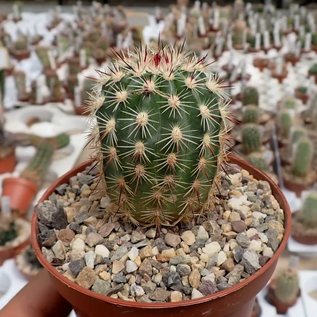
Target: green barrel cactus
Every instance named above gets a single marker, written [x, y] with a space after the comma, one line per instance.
[289, 103]
[297, 133]
[251, 114]
[302, 157]
[250, 96]
[258, 161]
[284, 123]
[287, 286]
[251, 138]
[162, 122]
[309, 210]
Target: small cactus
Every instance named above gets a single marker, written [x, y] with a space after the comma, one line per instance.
[43, 55]
[38, 166]
[289, 103]
[297, 133]
[162, 123]
[313, 70]
[287, 286]
[284, 124]
[258, 161]
[309, 210]
[251, 138]
[8, 231]
[88, 85]
[251, 114]
[302, 157]
[20, 83]
[250, 96]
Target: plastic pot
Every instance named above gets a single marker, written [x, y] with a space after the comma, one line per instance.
[21, 192]
[7, 163]
[236, 301]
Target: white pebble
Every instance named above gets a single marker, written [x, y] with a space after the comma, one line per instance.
[211, 248]
[130, 266]
[133, 253]
[78, 244]
[102, 251]
[196, 293]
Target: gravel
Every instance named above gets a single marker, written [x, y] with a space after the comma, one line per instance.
[101, 252]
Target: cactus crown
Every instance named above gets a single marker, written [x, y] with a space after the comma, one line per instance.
[284, 123]
[251, 138]
[287, 286]
[162, 125]
[309, 210]
[250, 114]
[302, 157]
[250, 96]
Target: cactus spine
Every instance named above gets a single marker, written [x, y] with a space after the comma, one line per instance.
[162, 125]
[302, 157]
[251, 138]
[287, 286]
[309, 211]
[250, 96]
[250, 114]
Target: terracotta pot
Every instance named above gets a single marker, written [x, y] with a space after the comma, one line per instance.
[280, 77]
[10, 252]
[20, 55]
[301, 233]
[301, 96]
[7, 163]
[21, 192]
[295, 187]
[236, 301]
[261, 63]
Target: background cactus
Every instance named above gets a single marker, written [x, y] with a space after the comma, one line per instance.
[42, 54]
[302, 157]
[88, 85]
[287, 286]
[251, 138]
[251, 114]
[258, 161]
[162, 122]
[313, 70]
[250, 96]
[309, 210]
[284, 123]
[297, 133]
[8, 231]
[289, 103]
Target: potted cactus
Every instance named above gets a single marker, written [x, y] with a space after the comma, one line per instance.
[20, 84]
[250, 96]
[20, 48]
[14, 235]
[285, 121]
[23, 189]
[301, 93]
[305, 221]
[313, 72]
[284, 290]
[300, 175]
[148, 202]
[27, 263]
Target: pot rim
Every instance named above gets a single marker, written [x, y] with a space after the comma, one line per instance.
[21, 181]
[277, 193]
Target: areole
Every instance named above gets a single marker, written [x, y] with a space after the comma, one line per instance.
[236, 301]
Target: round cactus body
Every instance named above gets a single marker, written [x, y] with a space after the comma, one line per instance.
[297, 134]
[251, 138]
[251, 114]
[162, 124]
[250, 96]
[287, 286]
[309, 211]
[302, 157]
[258, 161]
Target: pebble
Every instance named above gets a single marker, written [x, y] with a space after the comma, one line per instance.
[90, 259]
[106, 229]
[267, 252]
[93, 238]
[172, 240]
[183, 269]
[146, 252]
[119, 253]
[194, 278]
[78, 244]
[188, 237]
[59, 250]
[117, 266]
[255, 245]
[252, 258]
[48, 238]
[102, 251]
[169, 253]
[130, 266]
[86, 278]
[105, 275]
[137, 236]
[196, 293]
[176, 296]
[202, 234]
[228, 265]
[238, 226]
[146, 267]
[160, 295]
[243, 240]
[222, 257]
[207, 287]
[137, 290]
[76, 266]
[100, 286]
[133, 253]
[212, 248]
[66, 236]
[151, 233]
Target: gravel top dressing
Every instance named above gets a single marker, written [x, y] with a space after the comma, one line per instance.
[107, 254]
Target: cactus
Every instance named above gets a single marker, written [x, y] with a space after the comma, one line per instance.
[88, 85]
[302, 157]
[313, 70]
[287, 286]
[20, 83]
[162, 122]
[38, 166]
[21, 44]
[297, 133]
[42, 54]
[251, 138]
[258, 161]
[57, 142]
[8, 231]
[309, 210]
[250, 96]
[284, 123]
[250, 114]
[2, 86]
[289, 103]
